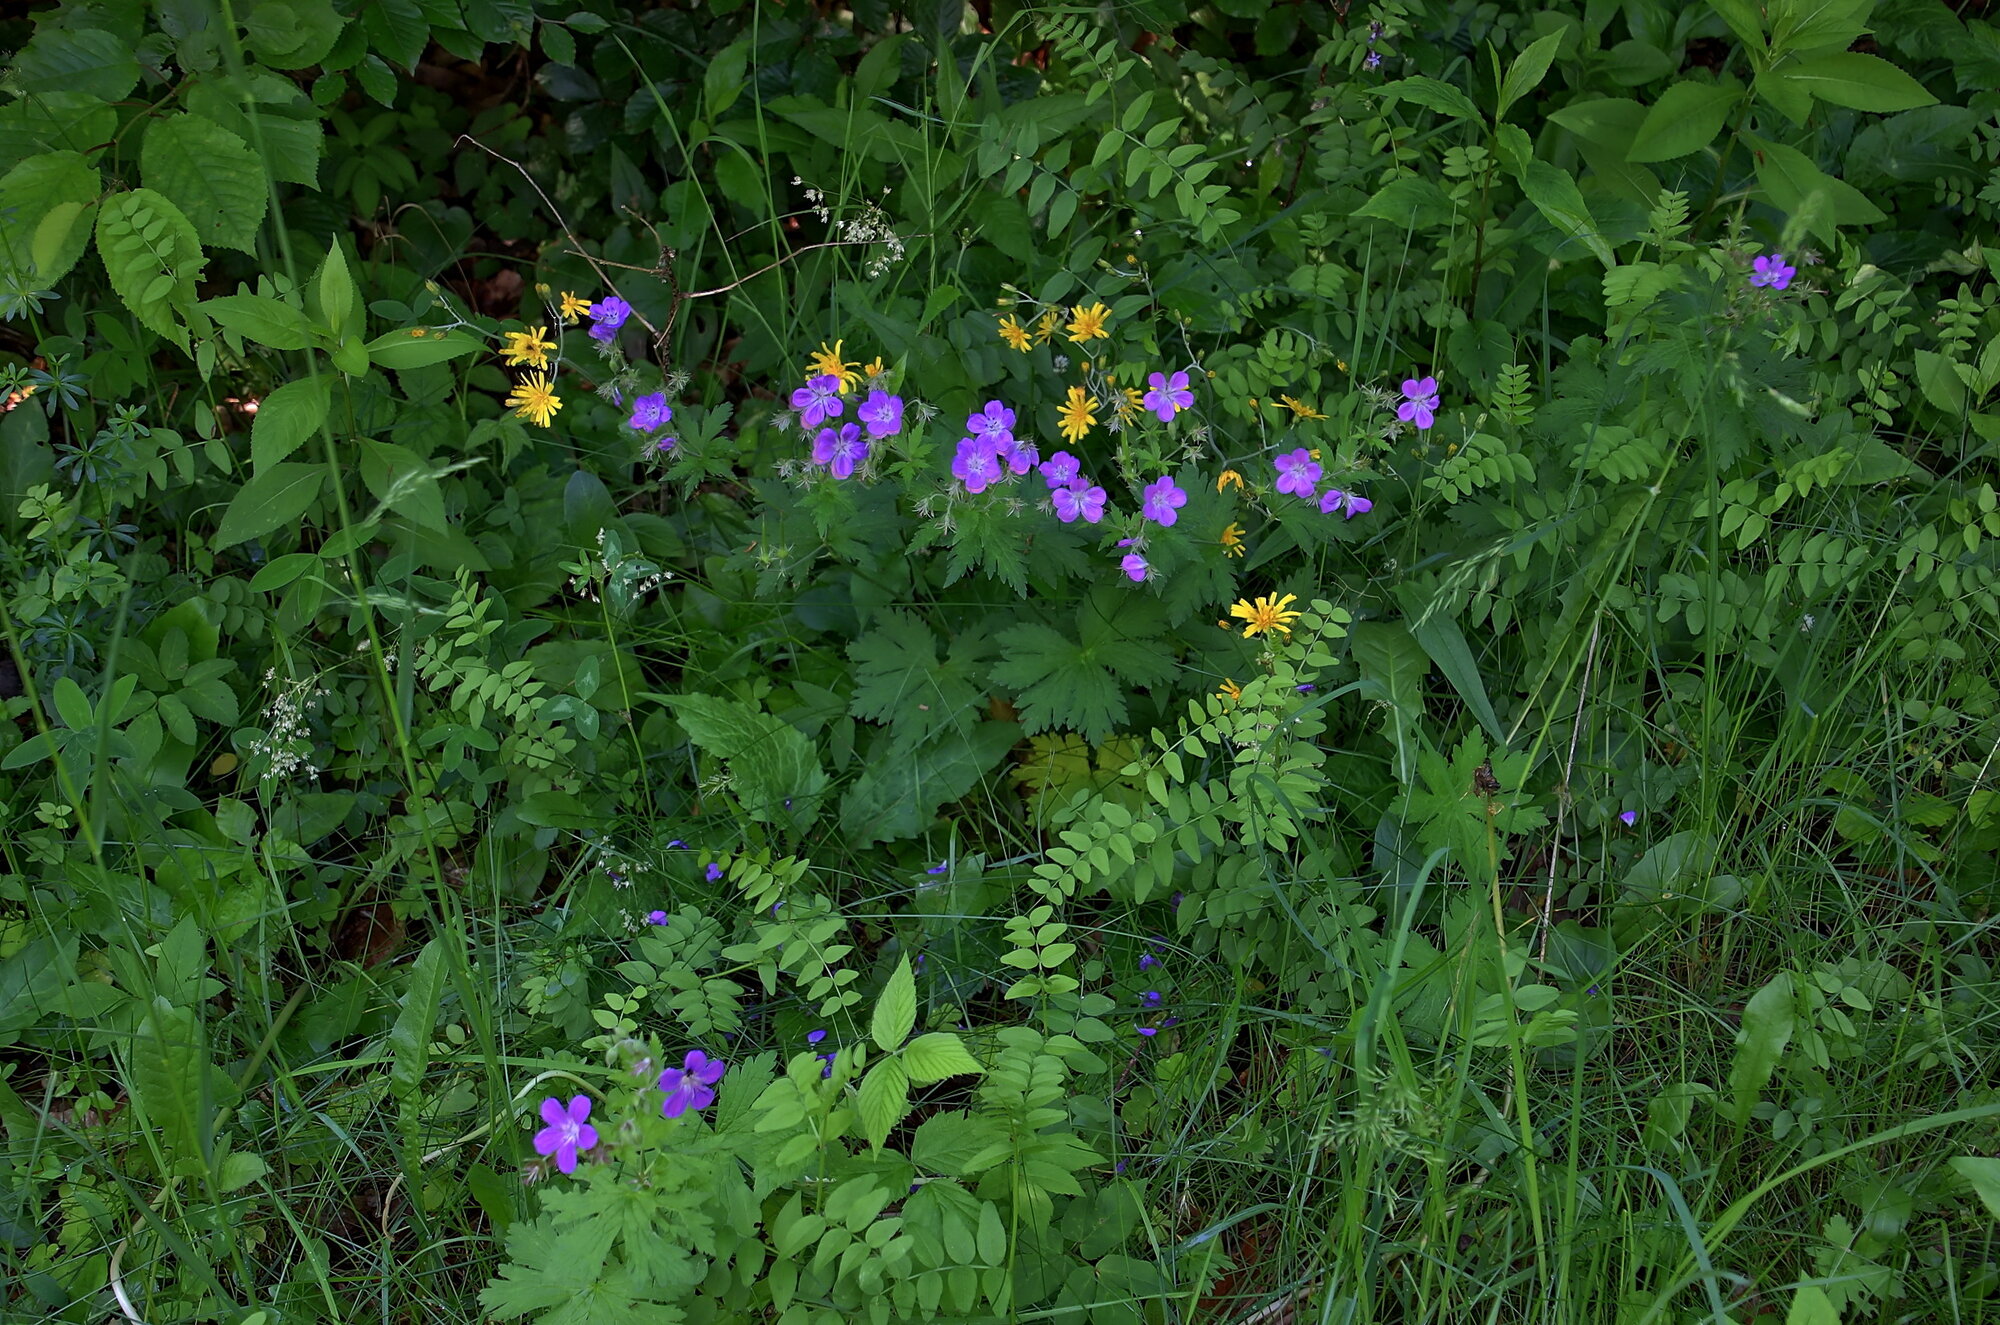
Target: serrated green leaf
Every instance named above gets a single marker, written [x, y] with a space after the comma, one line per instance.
[898, 792]
[286, 418]
[1790, 180]
[899, 680]
[141, 235]
[774, 769]
[86, 61]
[211, 175]
[44, 221]
[270, 113]
[1861, 82]
[933, 1057]
[1685, 119]
[277, 496]
[1058, 683]
[895, 1008]
[410, 1037]
[272, 323]
[1411, 201]
[884, 1100]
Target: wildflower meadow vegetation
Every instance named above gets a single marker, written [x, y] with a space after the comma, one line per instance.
[1134, 663]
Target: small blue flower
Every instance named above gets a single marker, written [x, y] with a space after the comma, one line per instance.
[656, 917]
[814, 1037]
[607, 315]
[939, 868]
[714, 872]
[1147, 961]
[1151, 998]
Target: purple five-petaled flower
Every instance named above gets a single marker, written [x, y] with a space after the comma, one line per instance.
[1349, 504]
[689, 1085]
[1169, 395]
[1420, 402]
[995, 420]
[1374, 60]
[1773, 271]
[568, 1131]
[1061, 469]
[1134, 566]
[1298, 472]
[1017, 455]
[977, 464]
[840, 450]
[1079, 499]
[650, 412]
[818, 400]
[1162, 499]
[1629, 817]
[882, 413]
[606, 316]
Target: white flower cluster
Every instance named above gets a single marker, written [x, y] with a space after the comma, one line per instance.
[284, 740]
[872, 227]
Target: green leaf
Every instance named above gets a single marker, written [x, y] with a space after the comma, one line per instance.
[1685, 119]
[275, 497]
[136, 260]
[272, 323]
[955, 1144]
[1811, 1306]
[240, 1168]
[211, 175]
[172, 1079]
[408, 349]
[1439, 96]
[270, 113]
[86, 61]
[774, 769]
[895, 1008]
[933, 1057]
[73, 706]
[1941, 386]
[1767, 1028]
[1556, 197]
[33, 980]
[898, 793]
[286, 418]
[45, 215]
[1861, 82]
[1527, 71]
[1058, 683]
[884, 1100]
[399, 29]
[1393, 670]
[899, 680]
[403, 481]
[1797, 187]
[1744, 19]
[1984, 1175]
[290, 34]
[1411, 201]
[336, 291]
[410, 1037]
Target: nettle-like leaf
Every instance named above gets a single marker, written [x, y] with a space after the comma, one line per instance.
[1065, 683]
[905, 781]
[153, 256]
[774, 767]
[211, 174]
[898, 678]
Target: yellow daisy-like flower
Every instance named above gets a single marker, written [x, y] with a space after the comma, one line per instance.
[1265, 614]
[1045, 326]
[1077, 414]
[573, 308]
[1128, 403]
[1229, 689]
[828, 363]
[1232, 541]
[527, 347]
[874, 370]
[1303, 411]
[1089, 324]
[534, 398]
[1014, 333]
[1228, 477]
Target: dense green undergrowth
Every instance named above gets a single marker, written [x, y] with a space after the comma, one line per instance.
[1127, 663]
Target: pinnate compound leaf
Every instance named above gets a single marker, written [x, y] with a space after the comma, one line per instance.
[272, 498]
[153, 257]
[211, 175]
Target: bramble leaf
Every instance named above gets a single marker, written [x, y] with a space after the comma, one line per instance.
[211, 175]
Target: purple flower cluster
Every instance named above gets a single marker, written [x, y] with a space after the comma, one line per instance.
[841, 448]
[1299, 474]
[568, 1130]
[1075, 496]
[990, 451]
[606, 316]
[1168, 396]
[826, 1059]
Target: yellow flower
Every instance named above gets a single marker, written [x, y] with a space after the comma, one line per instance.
[874, 370]
[1014, 333]
[1089, 324]
[1227, 477]
[1302, 411]
[1045, 326]
[1265, 614]
[1077, 414]
[1232, 541]
[573, 307]
[1229, 689]
[527, 347]
[828, 363]
[534, 398]
[1128, 403]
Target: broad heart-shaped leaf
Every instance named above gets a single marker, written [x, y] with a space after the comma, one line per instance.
[1685, 119]
[895, 1009]
[933, 1057]
[90, 61]
[153, 257]
[1557, 197]
[899, 792]
[286, 418]
[1984, 1175]
[44, 215]
[1862, 82]
[276, 497]
[1791, 181]
[885, 1099]
[212, 176]
[270, 322]
[775, 771]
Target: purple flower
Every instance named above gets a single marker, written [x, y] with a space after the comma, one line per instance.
[650, 412]
[1061, 469]
[938, 868]
[665, 444]
[1298, 472]
[1629, 817]
[676, 845]
[1169, 395]
[1079, 499]
[1773, 271]
[606, 316]
[1020, 456]
[977, 464]
[1349, 504]
[1374, 60]
[656, 917]
[1151, 998]
[995, 421]
[1306, 689]
[1420, 401]
[1149, 1031]
[814, 1037]
[1163, 498]
[1134, 566]
[688, 1086]
[840, 450]
[714, 872]
[568, 1131]
[882, 412]
[826, 1065]
[818, 400]
[1147, 961]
